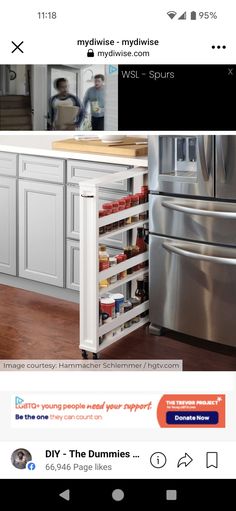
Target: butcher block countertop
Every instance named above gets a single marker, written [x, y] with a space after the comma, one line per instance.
[130, 146]
[41, 145]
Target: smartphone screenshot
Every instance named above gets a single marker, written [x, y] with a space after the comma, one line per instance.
[118, 251]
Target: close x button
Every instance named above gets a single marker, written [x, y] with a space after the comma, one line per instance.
[230, 71]
[17, 47]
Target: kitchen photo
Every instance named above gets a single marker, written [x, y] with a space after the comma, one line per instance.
[58, 97]
[118, 247]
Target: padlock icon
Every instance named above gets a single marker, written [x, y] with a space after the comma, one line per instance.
[90, 53]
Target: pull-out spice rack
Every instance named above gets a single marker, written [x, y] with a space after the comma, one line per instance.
[93, 336]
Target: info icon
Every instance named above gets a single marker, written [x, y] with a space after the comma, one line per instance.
[158, 460]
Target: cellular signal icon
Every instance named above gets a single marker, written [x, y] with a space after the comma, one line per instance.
[183, 16]
[171, 14]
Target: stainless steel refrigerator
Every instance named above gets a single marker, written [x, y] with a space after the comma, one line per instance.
[192, 183]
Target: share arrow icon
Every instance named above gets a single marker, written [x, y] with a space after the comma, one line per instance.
[185, 460]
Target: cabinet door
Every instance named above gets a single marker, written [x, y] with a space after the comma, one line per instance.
[73, 202]
[41, 232]
[8, 225]
[72, 265]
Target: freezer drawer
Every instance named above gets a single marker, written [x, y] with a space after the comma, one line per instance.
[192, 219]
[193, 289]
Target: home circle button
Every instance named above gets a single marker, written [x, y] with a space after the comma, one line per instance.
[118, 495]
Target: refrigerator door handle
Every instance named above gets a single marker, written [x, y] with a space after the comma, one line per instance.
[200, 257]
[203, 154]
[196, 211]
[222, 152]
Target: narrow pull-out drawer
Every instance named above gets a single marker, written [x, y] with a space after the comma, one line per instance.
[42, 169]
[73, 215]
[8, 164]
[72, 265]
[78, 171]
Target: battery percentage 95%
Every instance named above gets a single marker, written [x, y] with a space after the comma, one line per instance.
[207, 15]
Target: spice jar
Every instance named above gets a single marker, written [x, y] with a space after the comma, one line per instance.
[105, 317]
[103, 264]
[140, 292]
[127, 308]
[112, 263]
[144, 189]
[108, 306]
[142, 199]
[119, 302]
[127, 206]
[128, 253]
[135, 252]
[115, 209]
[103, 229]
[136, 319]
[120, 259]
[135, 302]
[107, 206]
[134, 202]
[122, 208]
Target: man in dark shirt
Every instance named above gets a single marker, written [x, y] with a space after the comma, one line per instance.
[64, 99]
[95, 96]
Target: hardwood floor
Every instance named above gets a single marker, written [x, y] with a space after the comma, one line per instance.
[34, 326]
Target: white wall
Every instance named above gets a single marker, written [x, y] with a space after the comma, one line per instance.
[39, 97]
[18, 86]
[85, 74]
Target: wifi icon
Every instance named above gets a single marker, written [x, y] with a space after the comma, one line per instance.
[171, 14]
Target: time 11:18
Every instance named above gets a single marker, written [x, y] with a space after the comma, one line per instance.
[47, 15]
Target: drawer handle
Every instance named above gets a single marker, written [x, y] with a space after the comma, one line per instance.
[201, 257]
[197, 211]
[87, 196]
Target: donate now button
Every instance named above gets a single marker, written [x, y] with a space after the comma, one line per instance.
[182, 417]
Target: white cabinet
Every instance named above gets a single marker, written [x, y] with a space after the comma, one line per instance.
[8, 164]
[41, 232]
[42, 168]
[73, 265]
[8, 225]
[78, 171]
